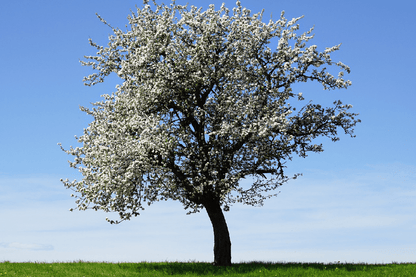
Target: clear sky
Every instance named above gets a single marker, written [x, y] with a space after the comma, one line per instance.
[356, 201]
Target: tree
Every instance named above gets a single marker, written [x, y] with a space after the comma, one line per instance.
[203, 103]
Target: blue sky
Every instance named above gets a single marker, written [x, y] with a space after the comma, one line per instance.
[356, 201]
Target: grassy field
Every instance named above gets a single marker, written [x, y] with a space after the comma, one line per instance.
[81, 268]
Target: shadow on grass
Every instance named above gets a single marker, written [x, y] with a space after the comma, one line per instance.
[198, 268]
[193, 268]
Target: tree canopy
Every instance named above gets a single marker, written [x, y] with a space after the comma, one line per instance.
[204, 102]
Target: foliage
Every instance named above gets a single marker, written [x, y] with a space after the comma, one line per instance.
[203, 103]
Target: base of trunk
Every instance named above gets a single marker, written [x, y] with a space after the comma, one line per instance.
[222, 242]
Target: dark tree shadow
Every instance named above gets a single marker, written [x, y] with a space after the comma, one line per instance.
[200, 268]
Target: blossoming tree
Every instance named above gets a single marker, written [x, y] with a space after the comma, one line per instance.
[203, 103]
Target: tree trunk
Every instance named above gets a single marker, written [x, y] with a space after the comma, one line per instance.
[222, 242]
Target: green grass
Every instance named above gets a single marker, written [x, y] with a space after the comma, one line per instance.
[203, 269]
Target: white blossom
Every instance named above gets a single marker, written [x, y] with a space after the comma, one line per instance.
[203, 102]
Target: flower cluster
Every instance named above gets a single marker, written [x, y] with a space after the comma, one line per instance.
[203, 103]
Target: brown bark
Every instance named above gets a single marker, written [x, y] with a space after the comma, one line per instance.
[222, 242]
